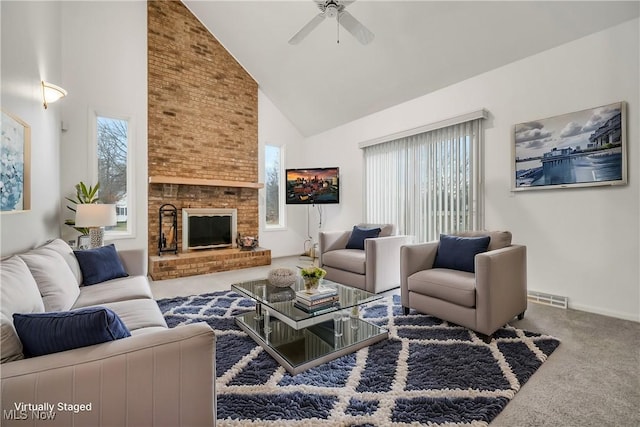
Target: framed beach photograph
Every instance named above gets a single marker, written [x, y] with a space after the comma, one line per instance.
[584, 148]
[15, 163]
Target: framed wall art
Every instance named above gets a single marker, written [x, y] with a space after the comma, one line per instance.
[15, 164]
[584, 148]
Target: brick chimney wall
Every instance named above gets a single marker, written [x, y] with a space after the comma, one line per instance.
[203, 120]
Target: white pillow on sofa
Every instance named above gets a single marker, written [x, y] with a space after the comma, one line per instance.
[10, 345]
[57, 283]
[61, 247]
[19, 294]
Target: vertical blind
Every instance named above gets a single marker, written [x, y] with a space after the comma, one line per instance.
[428, 183]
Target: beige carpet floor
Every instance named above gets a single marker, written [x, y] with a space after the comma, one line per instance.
[592, 379]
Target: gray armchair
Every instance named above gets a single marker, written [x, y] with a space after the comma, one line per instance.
[374, 269]
[483, 301]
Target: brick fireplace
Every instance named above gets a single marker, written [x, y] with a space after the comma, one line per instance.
[202, 138]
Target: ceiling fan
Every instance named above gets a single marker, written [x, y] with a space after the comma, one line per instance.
[335, 9]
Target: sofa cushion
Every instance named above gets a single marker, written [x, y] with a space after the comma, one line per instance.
[458, 253]
[61, 247]
[18, 294]
[122, 289]
[138, 313]
[56, 282]
[352, 260]
[45, 333]
[148, 330]
[457, 287]
[499, 239]
[358, 235]
[100, 264]
[10, 345]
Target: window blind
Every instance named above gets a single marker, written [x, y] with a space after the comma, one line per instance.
[428, 183]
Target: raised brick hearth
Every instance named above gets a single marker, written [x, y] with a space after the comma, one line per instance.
[201, 262]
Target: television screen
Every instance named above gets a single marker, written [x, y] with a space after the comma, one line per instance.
[312, 186]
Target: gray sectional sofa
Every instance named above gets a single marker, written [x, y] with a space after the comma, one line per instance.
[156, 376]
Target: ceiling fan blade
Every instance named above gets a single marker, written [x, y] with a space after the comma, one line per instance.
[304, 31]
[359, 31]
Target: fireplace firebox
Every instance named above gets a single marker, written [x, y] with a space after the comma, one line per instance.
[208, 228]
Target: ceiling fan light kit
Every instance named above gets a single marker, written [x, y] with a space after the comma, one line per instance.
[331, 10]
[335, 9]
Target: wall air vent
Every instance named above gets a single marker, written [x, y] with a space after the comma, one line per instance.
[548, 299]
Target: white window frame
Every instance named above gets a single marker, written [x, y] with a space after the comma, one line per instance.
[282, 223]
[93, 162]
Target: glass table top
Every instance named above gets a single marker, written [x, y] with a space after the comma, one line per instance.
[297, 339]
[280, 301]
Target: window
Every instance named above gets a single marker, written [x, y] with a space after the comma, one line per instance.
[274, 190]
[112, 152]
[428, 183]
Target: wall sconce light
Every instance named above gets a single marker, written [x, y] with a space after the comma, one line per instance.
[51, 93]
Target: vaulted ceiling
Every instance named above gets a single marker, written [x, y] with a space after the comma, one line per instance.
[419, 47]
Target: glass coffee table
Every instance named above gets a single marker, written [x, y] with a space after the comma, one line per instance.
[299, 340]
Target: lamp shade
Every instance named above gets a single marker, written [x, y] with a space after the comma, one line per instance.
[95, 215]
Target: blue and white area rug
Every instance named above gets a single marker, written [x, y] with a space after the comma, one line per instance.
[428, 371]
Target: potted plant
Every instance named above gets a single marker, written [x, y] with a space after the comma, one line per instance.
[84, 195]
[312, 277]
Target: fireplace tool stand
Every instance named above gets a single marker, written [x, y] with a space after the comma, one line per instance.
[167, 229]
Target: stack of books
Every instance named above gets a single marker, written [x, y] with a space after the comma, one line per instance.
[321, 299]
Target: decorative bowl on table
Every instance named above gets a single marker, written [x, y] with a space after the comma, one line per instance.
[282, 277]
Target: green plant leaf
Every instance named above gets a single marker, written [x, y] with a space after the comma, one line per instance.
[92, 193]
[84, 195]
[83, 188]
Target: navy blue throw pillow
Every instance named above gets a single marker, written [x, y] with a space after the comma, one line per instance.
[458, 253]
[45, 333]
[100, 264]
[356, 240]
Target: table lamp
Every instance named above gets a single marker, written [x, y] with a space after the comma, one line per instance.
[95, 216]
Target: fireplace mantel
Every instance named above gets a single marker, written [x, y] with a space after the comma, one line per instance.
[159, 179]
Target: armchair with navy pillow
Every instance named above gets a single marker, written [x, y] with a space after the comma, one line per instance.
[475, 279]
[366, 257]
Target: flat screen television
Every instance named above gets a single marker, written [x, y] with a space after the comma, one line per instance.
[312, 186]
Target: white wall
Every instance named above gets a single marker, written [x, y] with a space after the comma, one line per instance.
[104, 53]
[582, 243]
[275, 129]
[31, 53]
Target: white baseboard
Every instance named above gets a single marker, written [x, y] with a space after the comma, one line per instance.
[624, 316]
